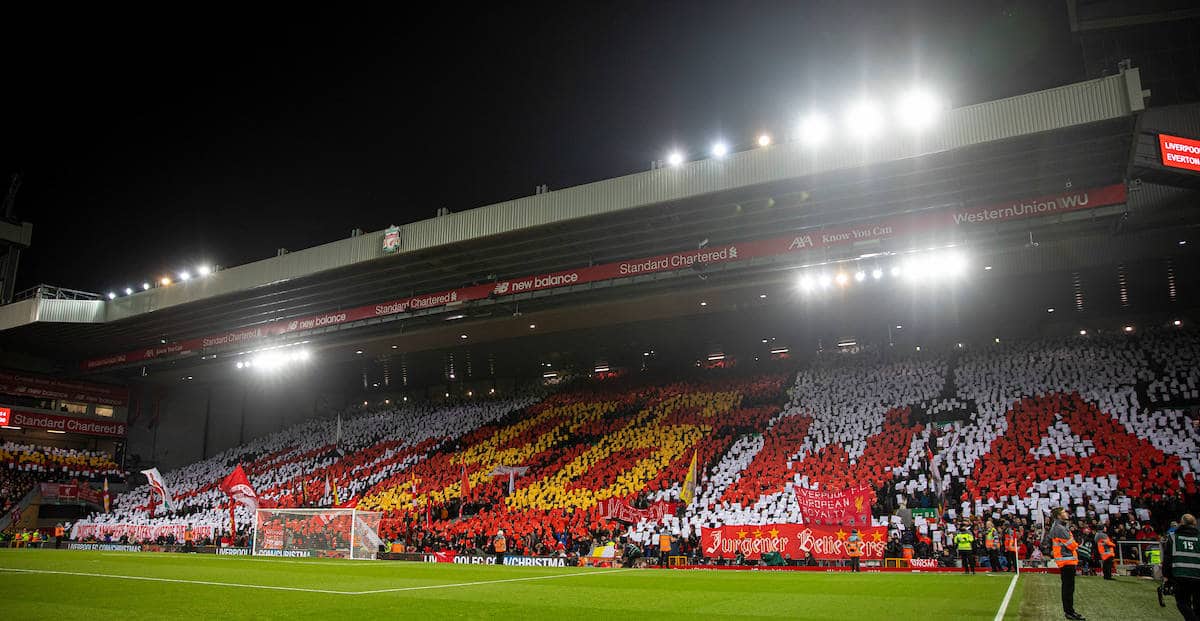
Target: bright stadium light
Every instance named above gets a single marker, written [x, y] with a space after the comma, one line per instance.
[720, 149]
[897, 270]
[203, 270]
[860, 276]
[185, 275]
[919, 109]
[166, 280]
[863, 119]
[825, 281]
[877, 273]
[806, 283]
[675, 158]
[112, 296]
[842, 278]
[813, 129]
[145, 286]
[128, 290]
[764, 140]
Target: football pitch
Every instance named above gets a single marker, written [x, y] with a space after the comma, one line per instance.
[61, 584]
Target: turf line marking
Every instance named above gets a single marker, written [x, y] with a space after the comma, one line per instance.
[1008, 595]
[140, 555]
[464, 584]
[204, 582]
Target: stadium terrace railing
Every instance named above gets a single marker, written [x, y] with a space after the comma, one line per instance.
[50, 292]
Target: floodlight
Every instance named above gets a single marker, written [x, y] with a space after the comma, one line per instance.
[165, 281]
[184, 275]
[919, 109]
[860, 276]
[877, 274]
[764, 140]
[863, 119]
[842, 278]
[204, 270]
[675, 158]
[806, 283]
[813, 129]
[825, 281]
[145, 286]
[1177, 323]
[112, 296]
[720, 149]
[128, 290]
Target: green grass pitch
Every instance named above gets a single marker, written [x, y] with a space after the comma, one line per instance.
[61, 585]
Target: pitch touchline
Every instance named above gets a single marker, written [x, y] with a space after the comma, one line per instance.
[304, 590]
[462, 584]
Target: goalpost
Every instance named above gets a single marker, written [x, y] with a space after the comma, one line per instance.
[326, 533]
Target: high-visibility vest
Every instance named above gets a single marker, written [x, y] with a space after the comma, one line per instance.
[1185, 556]
[964, 541]
[664, 543]
[501, 544]
[1010, 543]
[989, 539]
[1106, 548]
[853, 549]
[1064, 551]
[58, 531]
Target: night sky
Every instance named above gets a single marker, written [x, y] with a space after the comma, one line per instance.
[153, 143]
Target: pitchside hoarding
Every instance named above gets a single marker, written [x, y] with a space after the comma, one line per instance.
[798, 242]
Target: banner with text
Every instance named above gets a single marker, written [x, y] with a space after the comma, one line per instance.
[617, 509]
[39, 387]
[932, 221]
[137, 532]
[792, 541]
[852, 506]
[31, 420]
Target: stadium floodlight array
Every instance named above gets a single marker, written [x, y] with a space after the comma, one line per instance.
[918, 269]
[274, 359]
[916, 110]
[165, 281]
[324, 533]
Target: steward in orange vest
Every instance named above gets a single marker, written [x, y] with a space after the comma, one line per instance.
[1064, 545]
[1010, 549]
[854, 550]
[1108, 552]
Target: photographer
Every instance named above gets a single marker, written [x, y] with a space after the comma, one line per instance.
[1181, 566]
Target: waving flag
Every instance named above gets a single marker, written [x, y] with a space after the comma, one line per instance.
[159, 486]
[688, 493]
[237, 486]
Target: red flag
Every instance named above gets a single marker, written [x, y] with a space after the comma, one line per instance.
[237, 486]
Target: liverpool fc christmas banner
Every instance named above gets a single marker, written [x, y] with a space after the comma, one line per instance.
[792, 541]
[852, 506]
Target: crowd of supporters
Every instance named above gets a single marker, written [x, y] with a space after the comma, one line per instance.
[1101, 425]
[22, 466]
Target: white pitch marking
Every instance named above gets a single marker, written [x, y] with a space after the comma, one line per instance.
[304, 590]
[149, 579]
[1008, 596]
[462, 584]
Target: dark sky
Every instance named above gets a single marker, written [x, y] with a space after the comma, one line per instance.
[152, 143]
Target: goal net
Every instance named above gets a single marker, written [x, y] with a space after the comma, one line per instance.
[328, 533]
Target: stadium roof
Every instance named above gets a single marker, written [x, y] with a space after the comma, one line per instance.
[1031, 145]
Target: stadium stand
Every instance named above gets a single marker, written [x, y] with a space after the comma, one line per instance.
[1095, 423]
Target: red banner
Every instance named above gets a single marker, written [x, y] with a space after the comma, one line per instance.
[40, 387]
[112, 429]
[69, 491]
[811, 239]
[1179, 152]
[137, 532]
[617, 509]
[793, 541]
[852, 506]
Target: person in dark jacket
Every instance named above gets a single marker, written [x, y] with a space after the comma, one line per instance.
[1181, 566]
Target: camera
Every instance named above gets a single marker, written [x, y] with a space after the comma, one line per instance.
[1166, 588]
